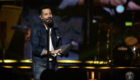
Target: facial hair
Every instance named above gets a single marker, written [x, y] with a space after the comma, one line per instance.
[48, 21]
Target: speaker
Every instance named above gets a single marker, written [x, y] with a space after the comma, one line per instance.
[122, 55]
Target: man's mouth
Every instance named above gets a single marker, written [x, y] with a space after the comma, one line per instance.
[49, 19]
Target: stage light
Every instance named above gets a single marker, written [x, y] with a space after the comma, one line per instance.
[120, 8]
[89, 67]
[89, 62]
[25, 67]
[0, 61]
[68, 61]
[134, 49]
[101, 62]
[7, 66]
[74, 67]
[94, 21]
[127, 67]
[92, 75]
[105, 62]
[128, 23]
[60, 67]
[10, 61]
[26, 61]
[104, 67]
[110, 61]
[96, 62]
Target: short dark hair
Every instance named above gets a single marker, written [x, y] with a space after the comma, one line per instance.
[43, 7]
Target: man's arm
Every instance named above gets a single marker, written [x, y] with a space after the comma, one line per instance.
[34, 38]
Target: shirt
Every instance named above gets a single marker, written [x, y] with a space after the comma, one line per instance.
[51, 48]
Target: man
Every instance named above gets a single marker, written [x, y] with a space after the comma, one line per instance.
[39, 43]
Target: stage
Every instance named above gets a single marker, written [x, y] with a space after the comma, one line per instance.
[93, 70]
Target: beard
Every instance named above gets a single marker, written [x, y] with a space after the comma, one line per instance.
[48, 21]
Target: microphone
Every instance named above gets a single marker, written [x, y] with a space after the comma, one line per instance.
[50, 20]
[49, 23]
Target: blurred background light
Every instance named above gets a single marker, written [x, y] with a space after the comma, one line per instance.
[120, 8]
[94, 21]
[128, 23]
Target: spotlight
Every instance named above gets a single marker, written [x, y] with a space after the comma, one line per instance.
[120, 8]
[94, 21]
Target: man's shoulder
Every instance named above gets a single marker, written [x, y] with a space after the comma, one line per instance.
[56, 27]
[37, 26]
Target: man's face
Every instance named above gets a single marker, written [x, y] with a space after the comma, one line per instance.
[46, 16]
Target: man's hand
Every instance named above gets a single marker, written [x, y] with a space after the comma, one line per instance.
[56, 52]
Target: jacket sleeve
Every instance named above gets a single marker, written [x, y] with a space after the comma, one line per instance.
[36, 48]
[60, 42]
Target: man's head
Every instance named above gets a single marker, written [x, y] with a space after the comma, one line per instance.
[45, 14]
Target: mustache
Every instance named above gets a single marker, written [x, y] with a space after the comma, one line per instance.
[50, 18]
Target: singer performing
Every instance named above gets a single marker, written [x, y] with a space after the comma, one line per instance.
[39, 43]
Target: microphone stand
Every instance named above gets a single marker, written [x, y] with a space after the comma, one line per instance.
[111, 42]
[48, 41]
